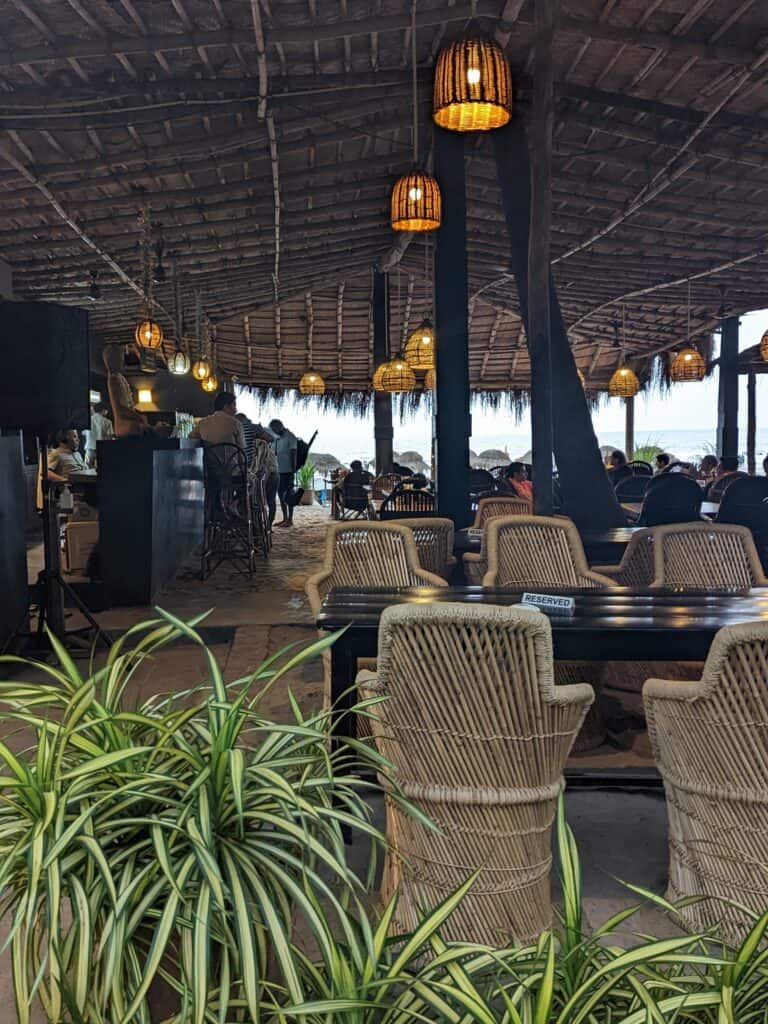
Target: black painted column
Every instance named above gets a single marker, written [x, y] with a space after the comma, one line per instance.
[382, 403]
[452, 416]
[728, 390]
[587, 493]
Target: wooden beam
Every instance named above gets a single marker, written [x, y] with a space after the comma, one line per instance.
[452, 423]
[383, 432]
[629, 427]
[728, 390]
[539, 326]
[751, 421]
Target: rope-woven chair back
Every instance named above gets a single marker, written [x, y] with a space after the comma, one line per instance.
[671, 498]
[710, 555]
[640, 468]
[478, 735]
[744, 504]
[224, 464]
[541, 551]
[384, 484]
[719, 488]
[710, 741]
[434, 542]
[632, 488]
[501, 505]
[637, 568]
[406, 500]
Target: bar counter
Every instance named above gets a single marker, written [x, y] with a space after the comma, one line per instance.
[13, 556]
[150, 514]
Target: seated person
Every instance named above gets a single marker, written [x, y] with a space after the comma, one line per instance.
[661, 463]
[515, 480]
[222, 427]
[727, 466]
[618, 469]
[65, 459]
[357, 476]
[401, 470]
[708, 468]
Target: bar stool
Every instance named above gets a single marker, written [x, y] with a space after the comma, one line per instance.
[228, 524]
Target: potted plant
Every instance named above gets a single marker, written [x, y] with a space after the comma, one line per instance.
[305, 478]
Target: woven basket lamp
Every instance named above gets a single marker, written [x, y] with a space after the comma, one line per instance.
[179, 363]
[764, 347]
[416, 203]
[688, 365]
[473, 87]
[210, 384]
[624, 383]
[420, 347]
[582, 378]
[395, 377]
[311, 383]
[202, 368]
[149, 334]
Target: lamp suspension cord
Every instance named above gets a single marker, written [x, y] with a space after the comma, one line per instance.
[623, 332]
[387, 351]
[415, 86]
[689, 310]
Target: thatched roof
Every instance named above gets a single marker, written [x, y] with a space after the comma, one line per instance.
[265, 138]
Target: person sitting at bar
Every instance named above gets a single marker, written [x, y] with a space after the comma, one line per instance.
[515, 480]
[661, 463]
[128, 422]
[222, 426]
[65, 459]
[617, 467]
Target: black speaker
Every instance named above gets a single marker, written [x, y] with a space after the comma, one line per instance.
[44, 361]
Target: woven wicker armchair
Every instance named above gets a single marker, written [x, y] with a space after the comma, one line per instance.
[499, 505]
[434, 543]
[706, 555]
[636, 568]
[710, 742]
[478, 734]
[365, 554]
[537, 551]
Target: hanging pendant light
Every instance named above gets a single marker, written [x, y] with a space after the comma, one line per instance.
[420, 347]
[201, 369]
[473, 86]
[688, 364]
[311, 383]
[148, 334]
[430, 380]
[396, 376]
[582, 378]
[764, 347]
[416, 204]
[210, 383]
[624, 382]
[179, 363]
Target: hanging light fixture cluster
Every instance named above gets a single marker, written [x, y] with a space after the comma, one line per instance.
[148, 333]
[688, 364]
[624, 382]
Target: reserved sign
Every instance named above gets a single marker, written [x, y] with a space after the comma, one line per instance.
[550, 603]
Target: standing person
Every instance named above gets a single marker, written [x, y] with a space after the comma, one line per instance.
[101, 430]
[128, 421]
[286, 450]
[259, 449]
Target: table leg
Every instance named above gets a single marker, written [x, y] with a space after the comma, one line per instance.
[343, 692]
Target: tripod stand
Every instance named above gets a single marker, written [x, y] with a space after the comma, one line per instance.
[52, 588]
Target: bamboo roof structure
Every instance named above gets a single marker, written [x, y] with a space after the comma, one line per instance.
[265, 135]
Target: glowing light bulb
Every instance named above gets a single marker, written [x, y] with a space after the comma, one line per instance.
[473, 75]
[414, 194]
[687, 357]
[426, 340]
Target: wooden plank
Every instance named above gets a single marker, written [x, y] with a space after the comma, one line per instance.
[751, 421]
[382, 403]
[728, 390]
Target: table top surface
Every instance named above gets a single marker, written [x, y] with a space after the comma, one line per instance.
[619, 607]
[84, 477]
[708, 508]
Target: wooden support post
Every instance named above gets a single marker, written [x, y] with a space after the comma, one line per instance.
[382, 403]
[629, 428]
[751, 421]
[539, 325]
[728, 390]
[452, 416]
[588, 496]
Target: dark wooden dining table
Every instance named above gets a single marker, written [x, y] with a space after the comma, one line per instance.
[602, 547]
[620, 624]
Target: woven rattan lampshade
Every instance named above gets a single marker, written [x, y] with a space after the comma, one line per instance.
[311, 383]
[581, 377]
[395, 376]
[178, 364]
[210, 384]
[764, 347]
[688, 365]
[430, 380]
[473, 87]
[624, 383]
[149, 334]
[416, 203]
[202, 368]
[420, 347]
